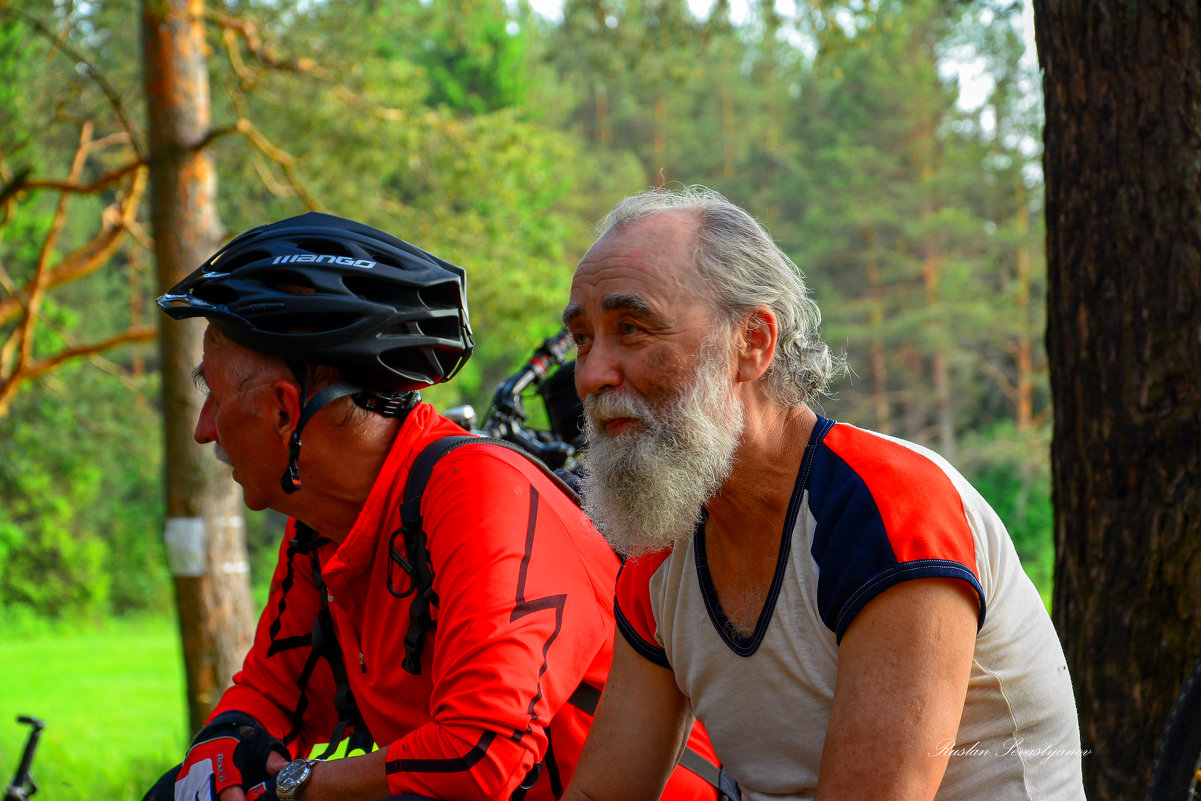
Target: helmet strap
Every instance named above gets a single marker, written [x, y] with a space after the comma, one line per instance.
[290, 482]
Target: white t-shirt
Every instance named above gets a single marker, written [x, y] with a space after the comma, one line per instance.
[867, 512]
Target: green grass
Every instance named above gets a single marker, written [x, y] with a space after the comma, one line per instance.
[111, 696]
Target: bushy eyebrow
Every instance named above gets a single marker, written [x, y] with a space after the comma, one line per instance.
[630, 303]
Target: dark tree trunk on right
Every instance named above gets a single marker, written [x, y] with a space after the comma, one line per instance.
[1122, 82]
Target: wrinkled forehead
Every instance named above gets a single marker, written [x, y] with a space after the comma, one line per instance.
[239, 362]
[646, 258]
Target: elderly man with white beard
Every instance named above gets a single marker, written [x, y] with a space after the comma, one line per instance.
[843, 612]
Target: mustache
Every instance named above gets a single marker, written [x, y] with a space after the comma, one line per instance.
[221, 456]
[611, 403]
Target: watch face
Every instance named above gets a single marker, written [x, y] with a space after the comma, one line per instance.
[291, 776]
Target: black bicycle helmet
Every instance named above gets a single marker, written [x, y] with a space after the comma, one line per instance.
[321, 289]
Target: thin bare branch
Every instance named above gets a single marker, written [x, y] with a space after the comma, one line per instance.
[98, 185]
[29, 371]
[269, 181]
[234, 29]
[115, 221]
[214, 134]
[281, 157]
[7, 283]
[235, 58]
[36, 287]
[14, 185]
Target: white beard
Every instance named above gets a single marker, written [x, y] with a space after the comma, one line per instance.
[645, 489]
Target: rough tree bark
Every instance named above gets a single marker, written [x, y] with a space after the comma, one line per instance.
[1122, 82]
[205, 533]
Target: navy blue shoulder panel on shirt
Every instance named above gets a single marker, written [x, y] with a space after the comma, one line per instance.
[857, 556]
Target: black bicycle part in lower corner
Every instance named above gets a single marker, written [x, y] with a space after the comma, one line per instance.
[23, 784]
[1176, 772]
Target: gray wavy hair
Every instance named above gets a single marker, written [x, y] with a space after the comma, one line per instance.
[744, 268]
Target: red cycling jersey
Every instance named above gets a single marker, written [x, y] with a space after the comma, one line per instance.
[522, 628]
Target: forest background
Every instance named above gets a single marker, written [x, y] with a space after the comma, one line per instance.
[496, 137]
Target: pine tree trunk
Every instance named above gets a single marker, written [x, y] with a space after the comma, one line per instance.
[206, 541]
[940, 371]
[1122, 83]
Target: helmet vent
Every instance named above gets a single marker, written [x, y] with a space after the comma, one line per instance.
[292, 282]
[229, 260]
[386, 292]
[293, 323]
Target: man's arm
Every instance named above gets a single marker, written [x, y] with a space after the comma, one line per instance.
[903, 669]
[640, 729]
[266, 691]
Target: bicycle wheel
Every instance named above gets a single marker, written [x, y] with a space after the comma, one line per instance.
[1176, 773]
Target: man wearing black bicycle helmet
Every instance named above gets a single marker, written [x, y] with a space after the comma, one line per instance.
[469, 657]
[319, 289]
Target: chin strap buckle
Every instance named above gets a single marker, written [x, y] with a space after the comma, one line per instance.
[397, 405]
[291, 478]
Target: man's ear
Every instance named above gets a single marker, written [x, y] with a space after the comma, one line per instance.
[285, 408]
[757, 343]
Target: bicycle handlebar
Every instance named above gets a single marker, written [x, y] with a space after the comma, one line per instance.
[506, 414]
[506, 400]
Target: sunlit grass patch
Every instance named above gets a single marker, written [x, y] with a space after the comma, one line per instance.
[111, 696]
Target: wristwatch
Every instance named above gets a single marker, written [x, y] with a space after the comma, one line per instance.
[292, 777]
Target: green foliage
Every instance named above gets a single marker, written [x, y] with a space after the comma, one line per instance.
[78, 523]
[496, 139]
[473, 55]
[1011, 469]
[80, 505]
[488, 187]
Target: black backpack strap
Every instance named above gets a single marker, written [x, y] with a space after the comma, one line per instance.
[415, 561]
[323, 644]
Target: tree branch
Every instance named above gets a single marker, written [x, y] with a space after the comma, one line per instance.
[284, 159]
[36, 287]
[233, 29]
[70, 186]
[116, 220]
[29, 371]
